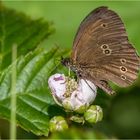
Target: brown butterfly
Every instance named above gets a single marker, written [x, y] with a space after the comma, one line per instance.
[101, 51]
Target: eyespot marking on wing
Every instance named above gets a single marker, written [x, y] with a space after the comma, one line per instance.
[123, 61]
[107, 51]
[123, 77]
[104, 46]
[104, 25]
[123, 69]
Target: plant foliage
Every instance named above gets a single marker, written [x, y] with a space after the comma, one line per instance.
[35, 105]
[17, 28]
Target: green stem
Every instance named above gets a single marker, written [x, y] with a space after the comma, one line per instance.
[13, 94]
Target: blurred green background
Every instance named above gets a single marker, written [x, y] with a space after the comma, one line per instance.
[122, 112]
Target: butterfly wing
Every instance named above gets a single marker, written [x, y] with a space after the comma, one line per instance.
[102, 50]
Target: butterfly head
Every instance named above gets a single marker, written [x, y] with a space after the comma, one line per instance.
[68, 63]
[65, 61]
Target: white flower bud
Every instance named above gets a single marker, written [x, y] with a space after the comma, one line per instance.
[70, 95]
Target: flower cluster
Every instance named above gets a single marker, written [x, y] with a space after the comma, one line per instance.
[71, 95]
[74, 97]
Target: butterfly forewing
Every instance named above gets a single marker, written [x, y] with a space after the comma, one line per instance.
[102, 50]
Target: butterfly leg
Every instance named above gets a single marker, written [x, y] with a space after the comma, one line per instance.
[105, 87]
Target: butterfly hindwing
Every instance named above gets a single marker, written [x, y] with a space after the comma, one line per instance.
[102, 50]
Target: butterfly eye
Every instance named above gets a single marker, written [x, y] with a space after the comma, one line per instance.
[79, 74]
[123, 77]
[123, 69]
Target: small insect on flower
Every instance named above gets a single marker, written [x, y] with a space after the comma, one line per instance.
[72, 95]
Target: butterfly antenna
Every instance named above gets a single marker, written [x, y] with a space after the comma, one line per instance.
[56, 68]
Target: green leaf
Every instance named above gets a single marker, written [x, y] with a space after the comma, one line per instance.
[35, 105]
[17, 28]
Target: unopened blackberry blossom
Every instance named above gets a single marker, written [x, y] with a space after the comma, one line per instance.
[58, 123]
[72, 95]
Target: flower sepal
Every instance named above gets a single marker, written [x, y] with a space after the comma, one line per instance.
[58, 123]
[93, 114]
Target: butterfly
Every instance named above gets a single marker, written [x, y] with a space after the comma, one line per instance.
[102, 52]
